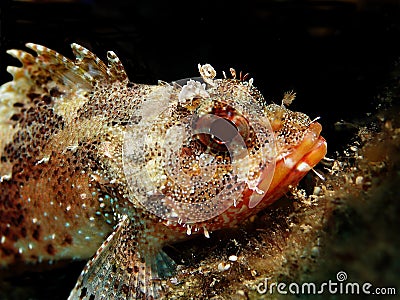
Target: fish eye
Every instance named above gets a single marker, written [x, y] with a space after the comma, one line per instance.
[223, 129]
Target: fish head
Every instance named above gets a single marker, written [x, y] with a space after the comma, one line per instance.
[211, 151]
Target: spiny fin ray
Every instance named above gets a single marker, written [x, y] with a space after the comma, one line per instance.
[115, 67]
[119, 270]
[89, 62]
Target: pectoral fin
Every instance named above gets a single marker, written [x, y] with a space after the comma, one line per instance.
[120, 269]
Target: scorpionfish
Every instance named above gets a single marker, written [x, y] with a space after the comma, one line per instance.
[91, 161]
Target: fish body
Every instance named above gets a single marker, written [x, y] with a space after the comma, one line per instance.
[91, 161]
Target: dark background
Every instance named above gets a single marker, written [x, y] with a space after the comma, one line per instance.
[337, 55]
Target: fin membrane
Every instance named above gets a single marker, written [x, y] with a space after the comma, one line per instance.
[120, 271]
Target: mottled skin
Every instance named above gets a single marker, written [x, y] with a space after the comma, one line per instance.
[63, 185]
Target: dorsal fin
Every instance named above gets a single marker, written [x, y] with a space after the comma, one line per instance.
[50, 75]
[93, 66]
[115, 67]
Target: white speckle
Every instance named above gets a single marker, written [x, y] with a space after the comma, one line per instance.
[289, 162]
[37, 47]
[45, 214]
[87, 238]
[188, 229]
[191, 90]
[223, 267]
[84, 205]
[30, 246]
[43, 160]
[206, 233]
[67, 224]
[173, 214]
[34, 220]
[53, 236]
[233, 258]
[5, 177]
[68, 208]
[91, 219]
[20, 250]
[55, 218]
[303, 167]
[3, 239]
[359, 180]
[319, 175]
[207, 72]
[83, 196]
[317, 190]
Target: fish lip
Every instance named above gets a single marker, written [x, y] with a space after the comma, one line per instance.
[310, 151]
[319, 146]
[290, 169]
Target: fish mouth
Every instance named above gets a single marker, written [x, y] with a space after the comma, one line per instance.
[291, 168]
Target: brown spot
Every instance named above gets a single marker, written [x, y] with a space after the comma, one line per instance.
[23, 232]
[14, 237]
[67, 240]
[15, 117]
[125, 289]
[136, 269]
[46, 99]
[7, 251]
[36, 234]
[33, 96]
[116, 284]
[50, 249]
[18, 104]
[83, 292]
[54, 92]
